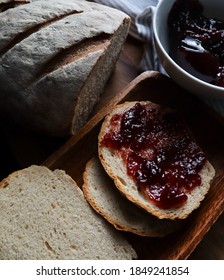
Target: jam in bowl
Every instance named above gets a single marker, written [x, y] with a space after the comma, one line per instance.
[189, 39]
[197, 42]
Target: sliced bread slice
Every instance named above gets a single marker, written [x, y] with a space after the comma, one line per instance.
[114, 165]
[44, 215]
[103, 196]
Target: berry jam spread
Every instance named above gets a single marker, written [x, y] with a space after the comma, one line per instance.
[159, 153]
[197, 41]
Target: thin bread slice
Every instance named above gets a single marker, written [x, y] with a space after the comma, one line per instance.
[44, 215]
[103, 196]
[116, 169]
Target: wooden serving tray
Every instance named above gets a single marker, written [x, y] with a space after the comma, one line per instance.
[209, 132]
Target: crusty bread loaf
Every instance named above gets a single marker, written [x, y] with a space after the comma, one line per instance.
[55, 58]
[44, 215]
[100, 192]
[116, 169]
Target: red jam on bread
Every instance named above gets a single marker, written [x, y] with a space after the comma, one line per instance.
[158, 151]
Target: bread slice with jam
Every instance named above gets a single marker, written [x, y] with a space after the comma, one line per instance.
[154, 160]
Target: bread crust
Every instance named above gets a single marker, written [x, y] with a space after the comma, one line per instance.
[25, 17]
[116, 169]
[8, 4]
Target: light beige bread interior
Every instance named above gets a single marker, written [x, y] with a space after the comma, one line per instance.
[100, 192]
[44, 215]
[114, 166]
[55, 59]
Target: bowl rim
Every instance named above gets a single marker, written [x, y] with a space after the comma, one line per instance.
[183, 72]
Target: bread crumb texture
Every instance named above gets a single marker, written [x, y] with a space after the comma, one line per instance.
[45, 216]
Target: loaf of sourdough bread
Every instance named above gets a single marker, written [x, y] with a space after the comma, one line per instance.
[102, 195]
[113, 163]
[44, 215]
[55, 58]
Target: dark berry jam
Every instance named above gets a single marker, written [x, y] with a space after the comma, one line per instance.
[197, 42]
[159, 152]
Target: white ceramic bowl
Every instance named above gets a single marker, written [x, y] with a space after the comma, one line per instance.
[212, 8]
